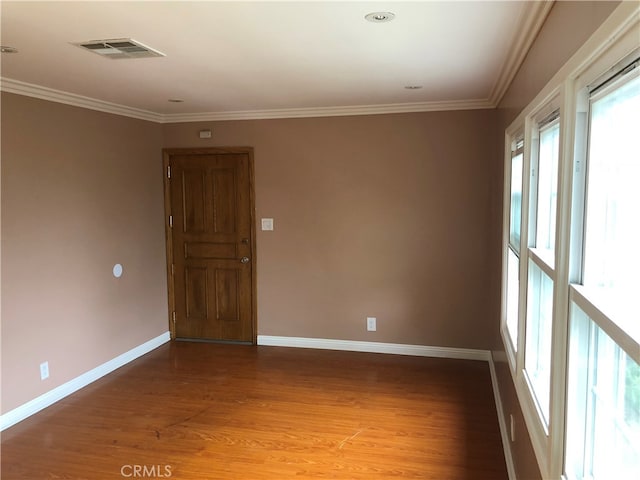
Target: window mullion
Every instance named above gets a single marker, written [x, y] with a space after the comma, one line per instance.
[561, 291]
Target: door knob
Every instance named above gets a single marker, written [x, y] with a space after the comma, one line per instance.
[244, 260]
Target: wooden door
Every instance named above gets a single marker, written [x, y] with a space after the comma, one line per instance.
[210, 243]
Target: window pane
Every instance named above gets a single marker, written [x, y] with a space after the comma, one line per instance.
[611, 263]
[538, 336]
[547, 188]
[603, 422]
[513, 289]
[516, 202]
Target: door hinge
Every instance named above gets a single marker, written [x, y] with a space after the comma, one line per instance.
[168, 171]
[171, 221]
[173, 319]
[172, 269]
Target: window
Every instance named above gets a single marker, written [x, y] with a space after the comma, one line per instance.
[603, 424]
[611, 272]
[538, 337]
[516, 197]
[513, 247]
[543, 181]
[571, 272]
[513, 289]
[547, 189]
[603, 404]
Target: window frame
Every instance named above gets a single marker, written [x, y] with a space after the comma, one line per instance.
[580, 232]
[614, 39]
[535, 122]
[513, 148]
[537, 425]
[547, 123]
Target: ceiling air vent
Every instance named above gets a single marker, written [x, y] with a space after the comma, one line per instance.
[120, 48]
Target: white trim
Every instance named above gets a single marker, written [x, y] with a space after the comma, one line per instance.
[374, 347]
[338, 111]
[36, 91]
[44, 93]
[529, 24]
[504, 431]
[540, 262]
[579, 295]
[511, 344]
[52, 396]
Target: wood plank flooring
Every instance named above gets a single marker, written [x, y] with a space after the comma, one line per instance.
[206, 411]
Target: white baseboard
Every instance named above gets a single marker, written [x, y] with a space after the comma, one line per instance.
[504, 431]
[43, 401]
[374, 347]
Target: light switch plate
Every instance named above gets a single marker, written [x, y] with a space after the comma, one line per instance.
[267, 224]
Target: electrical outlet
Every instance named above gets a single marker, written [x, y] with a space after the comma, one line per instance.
[44, 370]
[371, 324]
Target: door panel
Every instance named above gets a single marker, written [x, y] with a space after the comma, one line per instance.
[193, 206]
[196, 292]
[224, 196]
[211, 201]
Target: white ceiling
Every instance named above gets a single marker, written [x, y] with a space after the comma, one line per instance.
[268, 59]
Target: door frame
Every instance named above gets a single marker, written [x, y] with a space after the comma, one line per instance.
[167, 153]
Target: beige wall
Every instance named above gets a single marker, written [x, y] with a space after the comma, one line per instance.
[567, 27]
[381, 215]
[81, 191]
[384, 216]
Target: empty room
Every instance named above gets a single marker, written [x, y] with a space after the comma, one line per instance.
[348, 240]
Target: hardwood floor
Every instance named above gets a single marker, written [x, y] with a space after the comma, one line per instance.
[207, 411]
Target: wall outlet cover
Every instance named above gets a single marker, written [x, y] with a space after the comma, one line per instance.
[371, 324]
[44, 370]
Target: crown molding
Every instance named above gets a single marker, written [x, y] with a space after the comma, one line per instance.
[328, 111]
[531, 19]
[44, 93]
